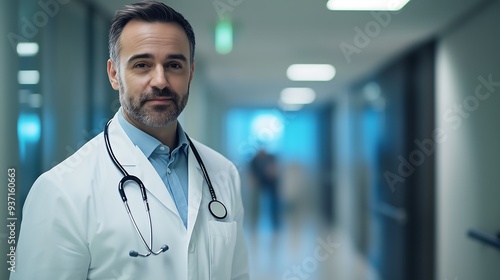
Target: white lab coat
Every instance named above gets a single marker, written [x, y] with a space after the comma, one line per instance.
[75, 225]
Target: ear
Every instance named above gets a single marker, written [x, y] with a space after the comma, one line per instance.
[191, 72]
[113, 75]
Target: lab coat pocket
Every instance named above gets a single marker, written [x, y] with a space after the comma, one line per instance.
[222, 240]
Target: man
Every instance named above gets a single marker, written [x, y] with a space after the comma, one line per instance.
[264, 174]
[75, 224]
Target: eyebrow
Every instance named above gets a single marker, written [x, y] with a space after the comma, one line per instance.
[150, 56]
[177, 56]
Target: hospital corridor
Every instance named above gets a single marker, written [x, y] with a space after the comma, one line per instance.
[364, 135]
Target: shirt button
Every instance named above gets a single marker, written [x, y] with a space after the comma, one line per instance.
[162, 148]
[168, 170]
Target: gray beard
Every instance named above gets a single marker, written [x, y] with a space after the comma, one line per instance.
[156, 116]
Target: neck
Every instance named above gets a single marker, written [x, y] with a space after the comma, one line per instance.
[167, 135]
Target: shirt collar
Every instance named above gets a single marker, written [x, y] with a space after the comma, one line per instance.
[146, 142]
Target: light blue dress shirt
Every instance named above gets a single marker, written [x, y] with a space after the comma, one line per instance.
[171, 166]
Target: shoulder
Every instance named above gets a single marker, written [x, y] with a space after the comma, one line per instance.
[83, 161]
[65, 192]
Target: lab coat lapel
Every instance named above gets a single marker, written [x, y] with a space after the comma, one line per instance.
[136, 163]
[195, 191]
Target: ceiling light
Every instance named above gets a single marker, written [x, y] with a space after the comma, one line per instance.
[27, 49]
[34, 100]
[310, 72]
[297, 96]
[366, 5]
[28, 77]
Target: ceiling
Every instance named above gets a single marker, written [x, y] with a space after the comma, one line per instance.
[271, 35]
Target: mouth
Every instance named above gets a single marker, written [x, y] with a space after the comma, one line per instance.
[159, 100]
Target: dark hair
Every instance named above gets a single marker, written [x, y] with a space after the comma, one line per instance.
[149, 11]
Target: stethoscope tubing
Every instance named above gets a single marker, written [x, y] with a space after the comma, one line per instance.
[216, 208]
[203, 169]
[127, 177]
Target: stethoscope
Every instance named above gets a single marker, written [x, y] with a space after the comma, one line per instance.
[216, 208]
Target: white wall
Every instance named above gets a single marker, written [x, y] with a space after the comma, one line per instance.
[204, 114]
[194, 116]
[468, 169]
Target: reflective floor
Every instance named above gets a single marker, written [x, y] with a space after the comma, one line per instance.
[303, 249]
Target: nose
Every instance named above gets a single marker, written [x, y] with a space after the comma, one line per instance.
[159, 77]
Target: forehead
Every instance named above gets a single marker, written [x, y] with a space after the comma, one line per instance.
[153, 37]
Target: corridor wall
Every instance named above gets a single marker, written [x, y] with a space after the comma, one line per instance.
[467, 112]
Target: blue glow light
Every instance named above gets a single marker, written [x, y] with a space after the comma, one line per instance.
[29, 127]
[28, 131]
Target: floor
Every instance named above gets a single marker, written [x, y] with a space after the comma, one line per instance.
[303, 249]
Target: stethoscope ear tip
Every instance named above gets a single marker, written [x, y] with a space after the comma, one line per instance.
[133, 253]
[164, 248]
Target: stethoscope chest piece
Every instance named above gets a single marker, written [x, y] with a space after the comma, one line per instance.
[217, 209]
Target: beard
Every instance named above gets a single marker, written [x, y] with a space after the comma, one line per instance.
[157, 115]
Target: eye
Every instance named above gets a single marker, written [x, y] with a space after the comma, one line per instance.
[140, 65]
[175, 65]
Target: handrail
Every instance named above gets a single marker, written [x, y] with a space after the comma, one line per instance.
[488, 239]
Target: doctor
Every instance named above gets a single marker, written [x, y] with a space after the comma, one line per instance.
[75, 222]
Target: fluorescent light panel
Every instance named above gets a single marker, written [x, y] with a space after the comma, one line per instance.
[366, 5]
[34, 100]
[27, 49]
[28, 77]
[297, 96]
[310, 72]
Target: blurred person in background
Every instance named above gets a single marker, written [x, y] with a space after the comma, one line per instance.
[76, 222]
[264, 174]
